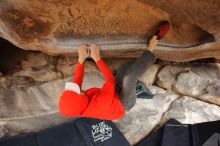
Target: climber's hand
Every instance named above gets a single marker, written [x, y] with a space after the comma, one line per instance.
[95, 52]
[83, 53]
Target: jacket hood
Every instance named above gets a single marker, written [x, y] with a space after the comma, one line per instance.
[72, 104]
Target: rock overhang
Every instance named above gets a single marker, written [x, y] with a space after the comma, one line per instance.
[58, 27]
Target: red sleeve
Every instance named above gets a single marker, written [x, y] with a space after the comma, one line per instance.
[108, 90]
[79, 74]
[107, 73]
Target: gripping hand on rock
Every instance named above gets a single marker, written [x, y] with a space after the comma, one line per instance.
[83, 53]
[95, 52]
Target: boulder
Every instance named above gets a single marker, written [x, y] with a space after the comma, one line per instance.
[199, 80]
[156, 90]
[41, 99]
[42, 75]
[145, 115]
[212, 93]
[20, 109]
[198, 13]
[37, 105]
[66, 69]
[189, 83]
[120, 27]
[66, 65]
[167, 75]
[25, 125]
[5, 82]
[3, 131]
[189, 110]
[149, 75]
[35, 60]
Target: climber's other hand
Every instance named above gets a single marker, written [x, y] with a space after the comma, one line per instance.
[95, 52]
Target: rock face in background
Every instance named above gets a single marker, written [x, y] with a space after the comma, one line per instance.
[58, 27]
[31, 82]
[201, 81]
[35, 108]
[145, 115]
[28, 101]
[188, 110]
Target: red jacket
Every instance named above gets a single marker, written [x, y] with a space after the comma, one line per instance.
[98, 103]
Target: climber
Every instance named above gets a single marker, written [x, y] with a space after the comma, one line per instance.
[104, 103]
[96, 103]
[128, 85]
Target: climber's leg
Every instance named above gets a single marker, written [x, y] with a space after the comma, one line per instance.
[123, 69]
[127, 75]
[130, 78]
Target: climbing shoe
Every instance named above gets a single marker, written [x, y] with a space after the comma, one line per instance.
[142, 91]
[164, 28]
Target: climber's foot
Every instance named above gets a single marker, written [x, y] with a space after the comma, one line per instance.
[152, 44]
[163, 30]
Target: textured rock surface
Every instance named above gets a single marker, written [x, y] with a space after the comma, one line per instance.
[4, 82]
[37, 105]
[3, 131]
[195, 12]
[150, 74]
[197, 80]
[167, 76]
[42, 75]
[144, 116]
[58, 27]
[189, 110]
[41, 111]
[189, 83]
[122, 28]
[28, 104]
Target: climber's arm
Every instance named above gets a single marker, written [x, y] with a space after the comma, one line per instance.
[109, 85]
[79, 74]
[108, 89]
[79, 71]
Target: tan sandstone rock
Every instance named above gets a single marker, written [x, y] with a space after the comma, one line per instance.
[35, 60]
[66, 65]
[47, 74]
[121, 27]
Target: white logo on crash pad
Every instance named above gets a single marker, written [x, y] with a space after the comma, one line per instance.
[101, 131]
